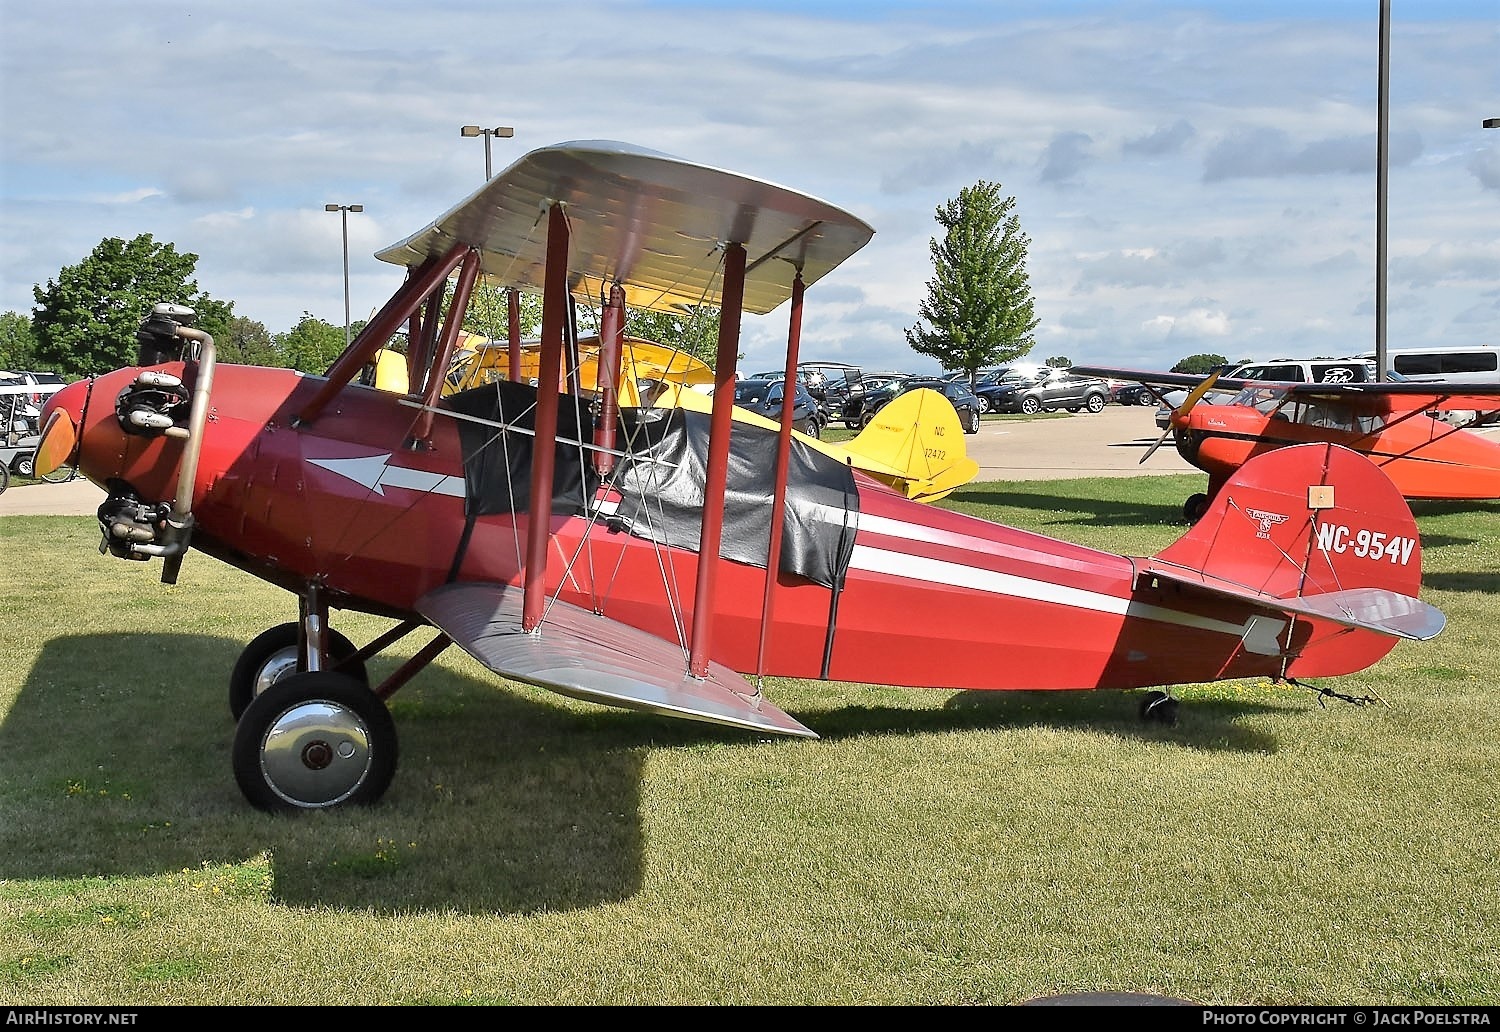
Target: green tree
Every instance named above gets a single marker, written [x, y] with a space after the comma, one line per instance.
[1199, 364]
[247, 342]
[17, 343]
[488, 313]
[310, 346]
[1060, 362]
[85, 320]
[979, 310]
[697, 334]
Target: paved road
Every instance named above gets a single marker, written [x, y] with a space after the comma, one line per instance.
[1110, 444]
[1107, 445]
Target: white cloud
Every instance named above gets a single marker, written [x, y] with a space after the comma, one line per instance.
[1158, 155]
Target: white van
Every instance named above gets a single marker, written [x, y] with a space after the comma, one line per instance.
[1475, 364]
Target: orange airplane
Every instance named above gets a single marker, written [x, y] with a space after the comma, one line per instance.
[1396, 424]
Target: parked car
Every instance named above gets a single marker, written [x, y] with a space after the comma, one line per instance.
[1282, 370]
[45, 384]
[1046, 390]
[1135, 394]
[854, 407]
[965, 402]
[764, 397]
[984, 378]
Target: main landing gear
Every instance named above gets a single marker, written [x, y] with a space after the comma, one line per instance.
[312, 741]
[275, 655]
[311, 732]
[1194, 508]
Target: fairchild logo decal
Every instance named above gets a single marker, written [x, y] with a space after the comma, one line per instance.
[1267, 520]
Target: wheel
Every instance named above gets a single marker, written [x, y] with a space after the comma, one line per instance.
[1030, 406]
[973, 424]
[4, 477]
[274, 655]
[1194, 508]
[314, 741]
[1159, 708]
[1096, 403]
[26, 465]
[61, 475]
[984, 404]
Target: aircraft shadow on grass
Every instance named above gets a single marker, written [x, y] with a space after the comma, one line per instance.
[1084, 511]
[502, 803]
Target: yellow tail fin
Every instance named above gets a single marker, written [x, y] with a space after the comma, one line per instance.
[915, 444]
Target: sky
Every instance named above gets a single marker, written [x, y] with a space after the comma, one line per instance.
[1192, 178]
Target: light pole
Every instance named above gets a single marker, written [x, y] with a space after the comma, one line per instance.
[1382, 160]
[344, 210]
[499, 130]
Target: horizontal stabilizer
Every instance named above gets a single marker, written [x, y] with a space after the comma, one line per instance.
[586, 656]
[1373, 609]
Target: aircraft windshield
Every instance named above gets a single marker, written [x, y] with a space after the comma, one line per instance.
[1259, 397]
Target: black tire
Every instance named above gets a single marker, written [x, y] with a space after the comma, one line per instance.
[4, 477]
[1030, 406]
[273, 656]
[1159, 708]
[972, 427]
[1194, 508]
[26, 465]
[984, 404]
[1096, 403]
[314, 741]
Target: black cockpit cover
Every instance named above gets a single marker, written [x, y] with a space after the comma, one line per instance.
[661, 479]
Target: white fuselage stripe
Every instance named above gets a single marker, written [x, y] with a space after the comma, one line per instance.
[957, 575]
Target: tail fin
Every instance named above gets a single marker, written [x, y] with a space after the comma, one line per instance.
[916, 445]
[1319, 533]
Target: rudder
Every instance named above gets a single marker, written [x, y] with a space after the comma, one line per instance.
[1320, 532]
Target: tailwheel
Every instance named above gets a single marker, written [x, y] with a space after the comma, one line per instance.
[1194, 508]
[1159, 708]
[314, 741]
[275, 654]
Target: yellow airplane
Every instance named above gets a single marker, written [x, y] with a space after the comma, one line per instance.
[915, 444]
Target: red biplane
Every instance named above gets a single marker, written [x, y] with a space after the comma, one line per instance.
[628, 555]
[1415, 432]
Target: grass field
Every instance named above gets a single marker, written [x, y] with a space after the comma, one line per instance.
[932, 847]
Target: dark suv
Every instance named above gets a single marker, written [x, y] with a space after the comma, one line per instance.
[1046, 390]
[964, 401]
[763, 396]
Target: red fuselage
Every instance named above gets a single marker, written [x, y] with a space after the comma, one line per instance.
[932, 598]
